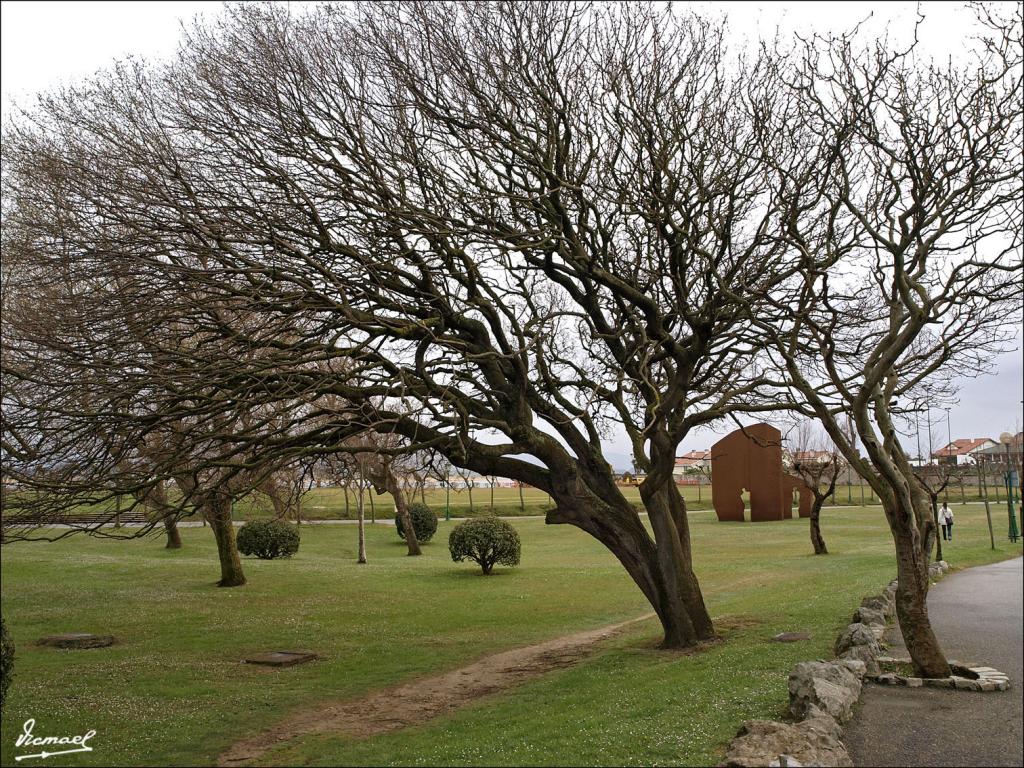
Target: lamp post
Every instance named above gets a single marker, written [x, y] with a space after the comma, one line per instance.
[1006, 439]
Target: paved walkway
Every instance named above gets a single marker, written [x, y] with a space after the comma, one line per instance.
[977, 615]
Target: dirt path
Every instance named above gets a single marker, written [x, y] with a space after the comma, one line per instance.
[426, 698]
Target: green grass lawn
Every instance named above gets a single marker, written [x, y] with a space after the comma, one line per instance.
[173, 692]
[330, 503]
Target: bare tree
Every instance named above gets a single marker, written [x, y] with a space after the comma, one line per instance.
[528, 221]
[383, 472]
[814, 460]
[519, 225]
[906, 212]
[86, 419]
[468, 481]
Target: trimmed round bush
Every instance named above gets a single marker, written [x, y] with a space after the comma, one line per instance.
[268, 539]
[488, 541]
[6, 661]
[424, 522]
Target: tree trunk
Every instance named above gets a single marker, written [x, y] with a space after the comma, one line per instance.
[173, 534]
[156, 499]
[912, 593]
[681, 560]
[660, 568]
[361, 560]
[469, 487]
[385, 475]
[816, 538]
[217, 511]
[273, 492]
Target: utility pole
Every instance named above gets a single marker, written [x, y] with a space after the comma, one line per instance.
[849, 477]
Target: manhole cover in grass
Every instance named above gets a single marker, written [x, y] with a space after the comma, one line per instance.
[791, 637]
[76, 640]
[281, 658]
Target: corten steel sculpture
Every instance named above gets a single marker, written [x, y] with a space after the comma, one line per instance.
[751, 459]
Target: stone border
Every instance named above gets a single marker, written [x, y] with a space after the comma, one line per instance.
[987, 679]
[822, 693]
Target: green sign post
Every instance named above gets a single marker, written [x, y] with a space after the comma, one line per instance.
[1012, 483]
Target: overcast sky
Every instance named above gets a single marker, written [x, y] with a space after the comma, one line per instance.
[46, 43]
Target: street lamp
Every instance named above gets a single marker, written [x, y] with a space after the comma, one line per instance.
[1006, 439]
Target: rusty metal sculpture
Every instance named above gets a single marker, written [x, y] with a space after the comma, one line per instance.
[750, 459]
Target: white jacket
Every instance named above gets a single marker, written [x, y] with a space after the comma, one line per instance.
[945, 515]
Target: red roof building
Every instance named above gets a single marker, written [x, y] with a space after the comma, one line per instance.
[691, 461]
[961, 451]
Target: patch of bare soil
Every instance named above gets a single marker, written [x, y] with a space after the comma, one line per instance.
[421, 700]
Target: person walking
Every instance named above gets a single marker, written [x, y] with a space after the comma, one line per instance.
[947, 521]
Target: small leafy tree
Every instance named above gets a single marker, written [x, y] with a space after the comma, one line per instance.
[424, 522]
[268, 539]
[487, 541]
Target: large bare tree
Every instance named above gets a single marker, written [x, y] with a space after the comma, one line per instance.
[907, 214]
[93, 416]
[518, 224]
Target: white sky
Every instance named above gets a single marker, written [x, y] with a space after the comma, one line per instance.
[45, 43]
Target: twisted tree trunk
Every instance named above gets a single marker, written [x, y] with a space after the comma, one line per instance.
[912, 592]
[661, 567]
[156, 499]
[817, 541]
[385, 479]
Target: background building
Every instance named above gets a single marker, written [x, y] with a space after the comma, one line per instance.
[962, 451]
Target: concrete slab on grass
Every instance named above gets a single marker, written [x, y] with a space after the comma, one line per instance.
[281, 658]
[75, 640]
